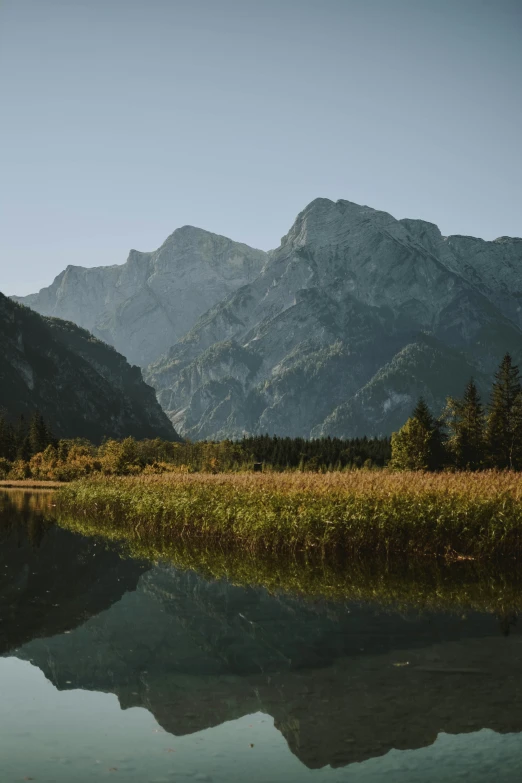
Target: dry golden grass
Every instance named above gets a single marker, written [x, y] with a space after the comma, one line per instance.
[29, 484]
[489, 483]
[450, 515]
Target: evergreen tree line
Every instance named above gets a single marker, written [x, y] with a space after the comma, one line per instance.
[29, 449]
[321, 453]
[25, 438]
[467, 435]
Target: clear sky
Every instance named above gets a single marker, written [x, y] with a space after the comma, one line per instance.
[125, 119]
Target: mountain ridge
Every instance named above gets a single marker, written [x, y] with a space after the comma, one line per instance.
[346, 275]
[346, 291]
[143, 305]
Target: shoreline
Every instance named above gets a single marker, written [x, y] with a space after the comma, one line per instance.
[30, 484]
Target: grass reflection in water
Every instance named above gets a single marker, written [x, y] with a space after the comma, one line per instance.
[432, 584]
[426, 585]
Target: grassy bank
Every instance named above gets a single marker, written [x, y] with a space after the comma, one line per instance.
[29, 484]
[361, 513]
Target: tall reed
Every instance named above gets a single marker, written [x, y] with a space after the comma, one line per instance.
[460, 515]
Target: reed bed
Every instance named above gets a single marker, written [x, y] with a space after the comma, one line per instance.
[382, 513]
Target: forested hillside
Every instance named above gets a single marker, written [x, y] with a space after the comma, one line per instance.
[78, 383]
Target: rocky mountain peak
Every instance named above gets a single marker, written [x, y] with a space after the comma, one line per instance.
[145, 305]
[508, 240]
[341, 227]
[350, 276]
[248, 337]
[187, 234]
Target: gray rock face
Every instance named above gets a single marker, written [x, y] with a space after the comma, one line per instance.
[353, 316]
[82, 386]
[335, 332]
[145, 305]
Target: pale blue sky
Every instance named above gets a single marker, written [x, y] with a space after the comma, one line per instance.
[124, 119]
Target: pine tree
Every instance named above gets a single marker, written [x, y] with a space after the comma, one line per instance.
[39, 436]
[418, 445]
[465, 421]
[503, 423]
[22, 444]
[436, 453]
[516, 433]
[423, 414]
[7, 440]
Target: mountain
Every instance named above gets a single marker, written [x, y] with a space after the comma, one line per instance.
[145, 305]
[337, 331]
[423, 368]
[82, 387]
[351, 318]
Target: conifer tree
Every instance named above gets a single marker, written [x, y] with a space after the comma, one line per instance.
[465, 421]
[436, 453]
[504, 425]
[423, 414]
[418, 444]
[516, 433]
[7, 440]
[39, 435]
[22, 444]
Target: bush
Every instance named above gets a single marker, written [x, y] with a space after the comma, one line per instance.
[20, 470]
[5, 467]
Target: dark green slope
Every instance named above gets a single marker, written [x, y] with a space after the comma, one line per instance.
[426, 368]
[82, 387]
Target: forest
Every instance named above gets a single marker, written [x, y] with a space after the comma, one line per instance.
[28, 449]
[467, 435]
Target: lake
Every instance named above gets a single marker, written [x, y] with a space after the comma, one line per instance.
[117, 668]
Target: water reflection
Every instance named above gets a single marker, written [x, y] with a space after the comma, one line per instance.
[50, 581]
[344, 682]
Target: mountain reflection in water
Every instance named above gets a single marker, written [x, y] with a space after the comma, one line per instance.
[343, 681]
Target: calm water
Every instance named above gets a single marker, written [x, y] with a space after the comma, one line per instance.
[119, 669]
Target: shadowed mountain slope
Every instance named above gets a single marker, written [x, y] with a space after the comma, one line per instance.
[81, 386]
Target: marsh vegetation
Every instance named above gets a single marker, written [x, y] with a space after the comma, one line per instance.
[385, 513]
[424, 584]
